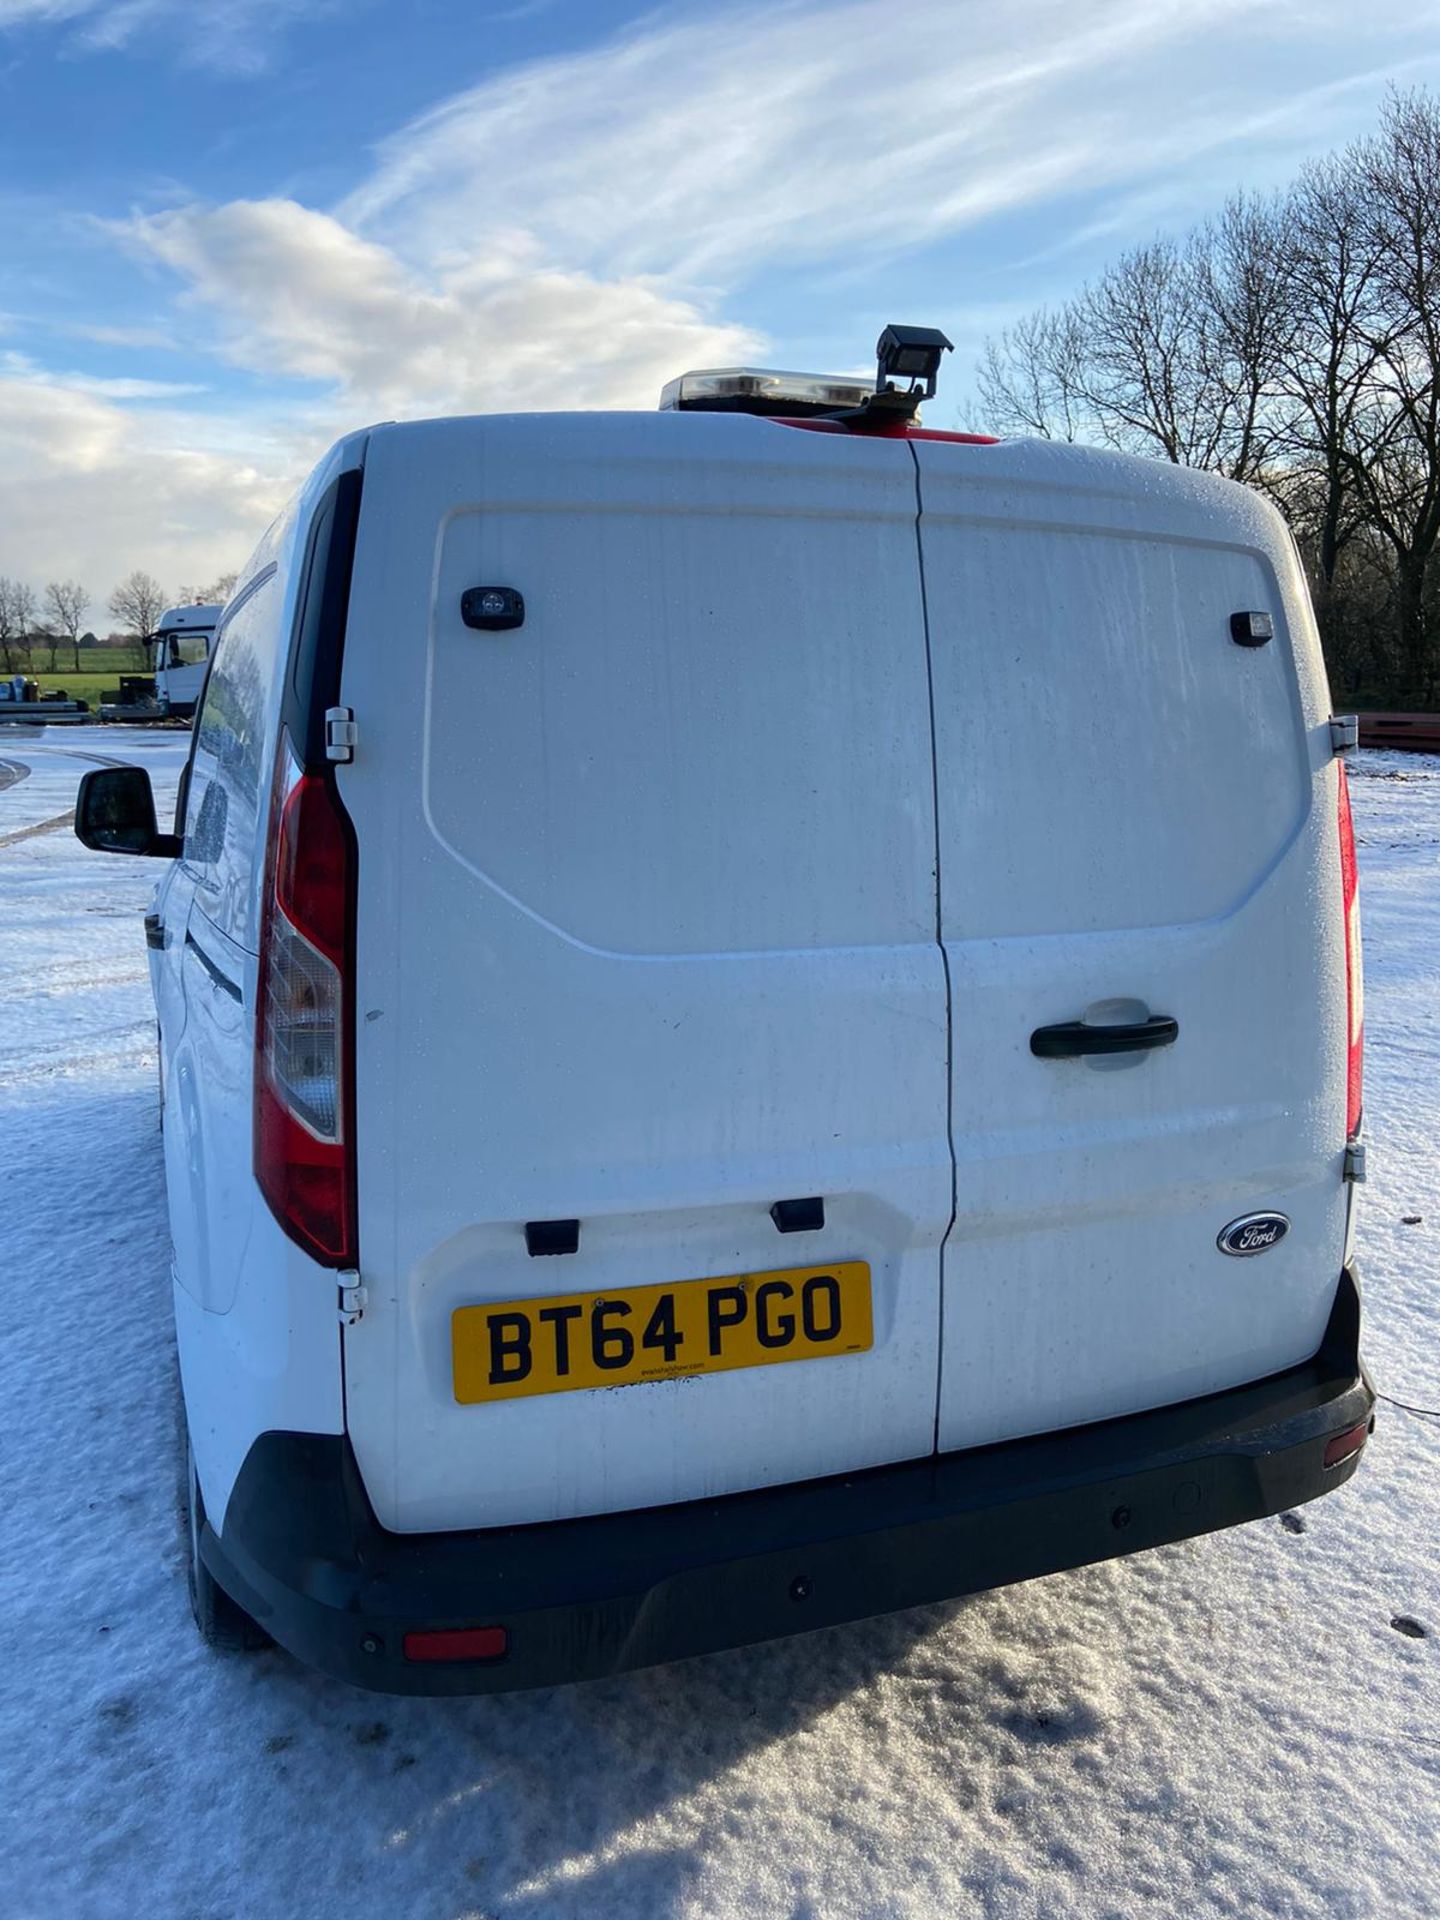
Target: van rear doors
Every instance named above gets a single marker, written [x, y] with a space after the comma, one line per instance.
[647, 941]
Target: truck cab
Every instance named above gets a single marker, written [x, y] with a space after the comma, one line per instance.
[180, 650]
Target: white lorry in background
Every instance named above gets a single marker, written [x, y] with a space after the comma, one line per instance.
[180, 655]
[761, 1021]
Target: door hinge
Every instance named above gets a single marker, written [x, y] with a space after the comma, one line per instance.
[1355, 1162]
[353, 1297]
[1344, 732]
[341, 733]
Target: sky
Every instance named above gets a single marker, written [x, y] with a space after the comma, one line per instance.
[231, 230]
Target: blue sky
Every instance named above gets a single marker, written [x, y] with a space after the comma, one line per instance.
[232, 229]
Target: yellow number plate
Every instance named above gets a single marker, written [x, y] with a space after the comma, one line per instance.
[618, 1339]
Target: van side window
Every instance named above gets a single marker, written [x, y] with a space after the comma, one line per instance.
[228, 778]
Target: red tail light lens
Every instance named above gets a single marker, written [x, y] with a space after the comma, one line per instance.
[1345, 1446]
[1354, 972]
[463, 1643]
[304, 1159]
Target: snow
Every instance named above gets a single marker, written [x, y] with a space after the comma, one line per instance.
[1227, 1727]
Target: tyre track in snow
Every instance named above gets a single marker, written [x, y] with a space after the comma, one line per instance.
[87, 1010]
[44, 826]
[45, 981]
[18, 770]
[109, 1046]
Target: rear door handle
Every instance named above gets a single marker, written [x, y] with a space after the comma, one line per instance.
[1072, 1038]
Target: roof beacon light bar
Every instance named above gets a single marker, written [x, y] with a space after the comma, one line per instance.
[762, 390]
[910, 353]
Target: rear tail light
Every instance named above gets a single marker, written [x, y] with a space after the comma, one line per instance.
[460, 1643]
[1354, 973]
[1345, 1446]
[304, 1150]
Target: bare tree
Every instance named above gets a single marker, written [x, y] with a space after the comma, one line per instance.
[1145, 374]
[1330, 264]
[216, 594]
[1031, 378]
[1172, 351]
[17, 623]
[138, 602]
[66, 602]
[1397, 468]
[1247, 322]
[1293, 344]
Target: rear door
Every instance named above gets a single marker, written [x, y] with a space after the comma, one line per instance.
[1137, 819]
[646, 940]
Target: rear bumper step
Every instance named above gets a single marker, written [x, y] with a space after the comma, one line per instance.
[301, 1549]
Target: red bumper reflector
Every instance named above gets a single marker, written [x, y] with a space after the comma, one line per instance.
[1346, 1444]
[466, 1643]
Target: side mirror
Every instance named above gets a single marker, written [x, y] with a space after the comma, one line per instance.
[115, 813]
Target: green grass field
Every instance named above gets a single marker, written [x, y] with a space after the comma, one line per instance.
[83, 686]
[99, 674]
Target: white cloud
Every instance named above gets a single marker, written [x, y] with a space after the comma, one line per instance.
[23, 366]
[90, 488]
[91, 485]
[229, 34]
[702, 149]
[299, 293]
[575, 230]
[556, 236]
[139, 337]
[15, 13]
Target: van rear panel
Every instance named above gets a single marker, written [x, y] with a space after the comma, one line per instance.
[745, 870]
[646, 939]
[1137, 817]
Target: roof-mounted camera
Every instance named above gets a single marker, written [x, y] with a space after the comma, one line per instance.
[913, 354]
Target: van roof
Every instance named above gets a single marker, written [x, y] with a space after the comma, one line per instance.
[1136, 489]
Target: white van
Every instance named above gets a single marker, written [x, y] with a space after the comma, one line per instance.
[761, 1023]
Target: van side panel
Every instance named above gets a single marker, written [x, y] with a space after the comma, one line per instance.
[259, 1342]
[1137, 818]
[646, 939]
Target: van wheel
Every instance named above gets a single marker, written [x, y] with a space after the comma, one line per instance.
[222, 1623]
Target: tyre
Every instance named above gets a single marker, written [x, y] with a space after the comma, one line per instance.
[221, 1622]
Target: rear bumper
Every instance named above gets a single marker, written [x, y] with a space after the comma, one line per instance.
[301, 1549]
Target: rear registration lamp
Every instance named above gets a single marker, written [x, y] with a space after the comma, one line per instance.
[459, 1643]
[1346, 1445]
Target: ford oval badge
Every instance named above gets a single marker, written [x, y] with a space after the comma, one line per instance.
[1253, 1233]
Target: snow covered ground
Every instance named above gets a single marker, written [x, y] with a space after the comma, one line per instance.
[1228, 1727]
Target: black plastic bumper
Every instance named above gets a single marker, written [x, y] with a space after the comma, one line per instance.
[301, 1549]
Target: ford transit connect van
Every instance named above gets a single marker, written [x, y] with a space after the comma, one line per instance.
[761, 1019]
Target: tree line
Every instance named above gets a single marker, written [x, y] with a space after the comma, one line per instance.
[1292, 342]
[55, 620]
